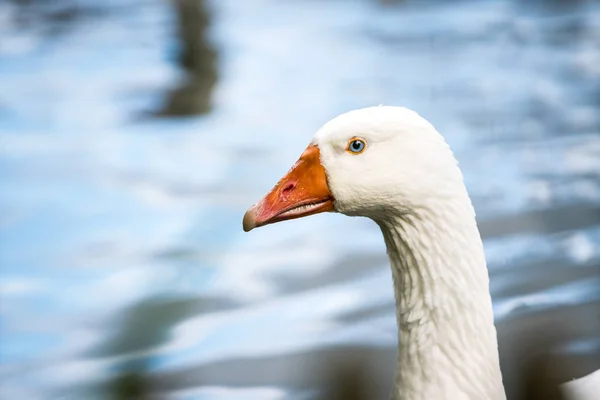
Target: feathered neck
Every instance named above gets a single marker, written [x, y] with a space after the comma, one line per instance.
[447, 339]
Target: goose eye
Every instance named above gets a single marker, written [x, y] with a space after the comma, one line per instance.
[356, 146]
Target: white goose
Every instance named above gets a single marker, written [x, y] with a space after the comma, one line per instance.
[391, 165]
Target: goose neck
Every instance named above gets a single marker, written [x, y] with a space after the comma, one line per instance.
[447, 346]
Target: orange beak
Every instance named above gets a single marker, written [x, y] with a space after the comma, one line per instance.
[302, 191]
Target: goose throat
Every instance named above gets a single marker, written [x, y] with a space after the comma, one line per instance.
[447, 345]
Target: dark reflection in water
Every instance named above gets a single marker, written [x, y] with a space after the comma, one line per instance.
[54, 17]
[195, 55]
[133, 383]
[197, 58]
[137, 331]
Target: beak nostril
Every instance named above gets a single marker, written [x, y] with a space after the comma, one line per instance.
[288, 188]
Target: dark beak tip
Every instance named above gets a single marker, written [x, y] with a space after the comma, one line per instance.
[249, 221]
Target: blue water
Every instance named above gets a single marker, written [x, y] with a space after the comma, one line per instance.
[120, 233]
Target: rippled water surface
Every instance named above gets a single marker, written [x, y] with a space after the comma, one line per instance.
[123, 182]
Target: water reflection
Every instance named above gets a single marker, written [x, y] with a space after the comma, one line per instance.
[132, 383]
[124, 269]
[197, 58]
[53, 18]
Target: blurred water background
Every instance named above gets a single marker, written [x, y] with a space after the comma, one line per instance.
[134, 134]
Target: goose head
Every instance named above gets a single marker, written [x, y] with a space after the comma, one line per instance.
[391, 165]
[374, 162]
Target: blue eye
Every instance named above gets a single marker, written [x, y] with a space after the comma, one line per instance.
[356, 146]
